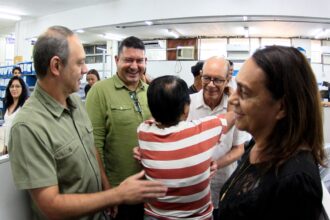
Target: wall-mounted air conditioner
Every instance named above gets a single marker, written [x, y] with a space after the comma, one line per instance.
[185, 52]
[154, 44]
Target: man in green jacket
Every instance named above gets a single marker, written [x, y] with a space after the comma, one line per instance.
[116, 107]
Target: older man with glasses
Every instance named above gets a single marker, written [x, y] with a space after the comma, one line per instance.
[212, 100]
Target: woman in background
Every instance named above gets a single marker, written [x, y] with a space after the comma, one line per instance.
[92, 77]
[16, 94]
[277, 102]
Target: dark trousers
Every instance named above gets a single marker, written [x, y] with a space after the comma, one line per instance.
[130, 212]
[215, 213]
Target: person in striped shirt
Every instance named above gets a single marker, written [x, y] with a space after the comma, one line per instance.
[179, 153]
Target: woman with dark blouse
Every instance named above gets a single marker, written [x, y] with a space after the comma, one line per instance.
[277, 102]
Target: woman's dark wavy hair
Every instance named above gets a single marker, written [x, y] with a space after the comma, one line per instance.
[289, 77]
[167, 97]
[8, 100]
[93, 72]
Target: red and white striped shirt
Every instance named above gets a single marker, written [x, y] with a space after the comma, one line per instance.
[179, 156]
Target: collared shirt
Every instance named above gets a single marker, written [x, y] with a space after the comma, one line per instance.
[115, 114]
[52, 145]
[199, 109]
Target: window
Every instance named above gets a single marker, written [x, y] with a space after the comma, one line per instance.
[316, 53]
[254, 45]
[94, 53]
[275, 41]
[240, 41]
[213, 47]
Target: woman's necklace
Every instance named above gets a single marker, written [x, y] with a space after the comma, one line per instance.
[236, 178]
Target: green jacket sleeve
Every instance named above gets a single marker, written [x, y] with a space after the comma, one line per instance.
[96, 109]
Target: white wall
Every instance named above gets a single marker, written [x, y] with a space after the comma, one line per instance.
[2, 51]
[181, 69]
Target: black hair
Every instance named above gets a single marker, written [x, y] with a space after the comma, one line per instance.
[167, 97]
[131, 42]
[86, 89]
[16, 68]
[8, 100]
[195, 70]
[230, 63]
[93, 72]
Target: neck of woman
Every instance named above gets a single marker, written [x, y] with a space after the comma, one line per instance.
[12, 107]
[255, 153]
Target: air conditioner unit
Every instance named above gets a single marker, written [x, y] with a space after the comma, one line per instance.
[154, 44]
[185, 53]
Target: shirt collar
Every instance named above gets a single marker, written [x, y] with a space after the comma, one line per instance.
[201, 104]
[51, 104]
[119, 84]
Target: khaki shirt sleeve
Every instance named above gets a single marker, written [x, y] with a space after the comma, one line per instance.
[32, 162]
[96, 109]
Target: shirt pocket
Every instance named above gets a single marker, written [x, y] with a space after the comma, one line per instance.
[70, 163]
[123, 115]
[88, 139]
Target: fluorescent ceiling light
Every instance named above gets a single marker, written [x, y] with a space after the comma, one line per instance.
[10, 17]
[245, 18]
[101, 49]
[80, 31]
[148, 23]
[174, 33]
[11, 11]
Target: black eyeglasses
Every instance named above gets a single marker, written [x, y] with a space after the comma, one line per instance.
[216, 81]
[136, 102]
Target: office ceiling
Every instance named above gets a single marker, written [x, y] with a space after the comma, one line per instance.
[233, 26]
[29, 9]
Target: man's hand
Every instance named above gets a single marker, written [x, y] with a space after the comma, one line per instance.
[137, 153]
[135, 190]
[149, 121]
[213, 168]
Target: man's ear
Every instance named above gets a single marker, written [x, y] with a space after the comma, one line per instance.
[185, 112]
[116, 58]
[55, 65]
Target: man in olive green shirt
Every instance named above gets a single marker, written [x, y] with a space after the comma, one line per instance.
[52, 150]
[116, 107]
